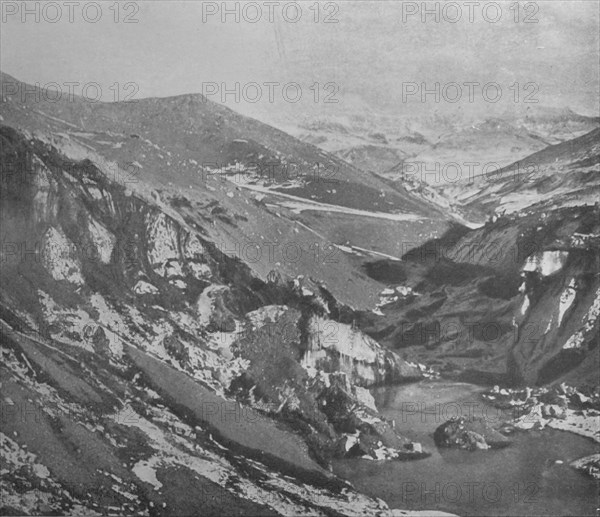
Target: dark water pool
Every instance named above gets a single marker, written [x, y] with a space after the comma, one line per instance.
[531, 477]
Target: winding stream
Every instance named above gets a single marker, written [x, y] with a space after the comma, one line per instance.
[530, 477]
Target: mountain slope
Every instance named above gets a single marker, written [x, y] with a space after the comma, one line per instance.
[515, 300]
[200, 133]
[128, 337]
[189, 153]
[559, 175]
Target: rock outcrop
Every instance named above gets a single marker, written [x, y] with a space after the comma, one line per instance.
[470, 434]
[325, 398]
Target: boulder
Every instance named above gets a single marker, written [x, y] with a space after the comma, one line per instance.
[469, 434]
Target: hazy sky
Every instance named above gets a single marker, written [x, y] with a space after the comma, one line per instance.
[368, 54]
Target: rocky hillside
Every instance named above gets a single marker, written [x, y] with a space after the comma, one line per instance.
[262, 186]
[130, 339]
[513, 302]
[189, 327]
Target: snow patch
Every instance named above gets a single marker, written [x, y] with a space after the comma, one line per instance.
[146, 472]
[589, 321]
[546, 263]
[525, 305]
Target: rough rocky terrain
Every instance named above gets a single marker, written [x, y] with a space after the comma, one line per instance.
[186, 326]
[149, 367]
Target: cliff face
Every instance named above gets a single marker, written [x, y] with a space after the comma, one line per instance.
[557, 322]
[339, 346]
[515, 301]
